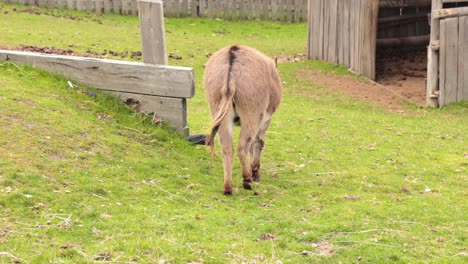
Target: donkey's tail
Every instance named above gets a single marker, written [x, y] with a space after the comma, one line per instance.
[223, 113]
[225, 107]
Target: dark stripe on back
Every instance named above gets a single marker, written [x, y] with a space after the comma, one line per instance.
[232, 58]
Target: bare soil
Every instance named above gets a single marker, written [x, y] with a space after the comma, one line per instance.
[400, 78]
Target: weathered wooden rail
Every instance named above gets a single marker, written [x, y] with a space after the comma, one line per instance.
[280, 10]
[157, 88]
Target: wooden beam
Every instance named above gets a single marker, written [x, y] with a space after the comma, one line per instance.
[113, 75]
[406, 41]
[450, 12]
[404, 3]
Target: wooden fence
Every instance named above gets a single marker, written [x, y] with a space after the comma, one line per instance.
[152, 86]
[344, 32]
[447, 68]
[278, 10]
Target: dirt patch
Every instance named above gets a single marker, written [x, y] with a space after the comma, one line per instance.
[403, 71]
[400, 77]
[355, 88]
[68, 52]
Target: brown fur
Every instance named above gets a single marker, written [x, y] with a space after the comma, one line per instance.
[241, 83]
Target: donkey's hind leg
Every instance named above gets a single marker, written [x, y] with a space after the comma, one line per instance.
[258, 145]
[225, 138]
[248, 131]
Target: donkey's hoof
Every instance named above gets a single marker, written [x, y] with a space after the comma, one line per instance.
[247, 186]
[227, 193]
[256, 176]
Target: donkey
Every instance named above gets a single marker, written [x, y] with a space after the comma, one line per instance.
[242, 85]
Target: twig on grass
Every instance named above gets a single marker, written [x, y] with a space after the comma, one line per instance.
[6, 254]
[364, 242]
[136, 130]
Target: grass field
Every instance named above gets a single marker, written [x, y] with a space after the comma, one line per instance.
[84, 179]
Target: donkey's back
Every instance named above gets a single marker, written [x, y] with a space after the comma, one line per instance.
[241, 84]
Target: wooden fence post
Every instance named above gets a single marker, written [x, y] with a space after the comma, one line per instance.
[153, 37]
[432, 85]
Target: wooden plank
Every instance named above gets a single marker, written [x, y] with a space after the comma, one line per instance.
[153, 39]
[288, 8]
[170, 110]
[227, 4]
[176, 8]
[463, 88]
[115, 6]
[202, 8]
[256, 8]
[274, 10]
[450, 12]
[250, 9]
[314, 32]
[241, 10]
[326, 29]
[234, 9]
[194, 8]
[107, 6]
[266, 13]
[346, 32]
[432, 84]
[461, 57]
[321, 35]
[451, 58]
[352, 32]
[340, 32]
[184, 8]
[442, 62]
[305, 17]
[112, 75]
[332, 31]
[71, 4]
[281, 9]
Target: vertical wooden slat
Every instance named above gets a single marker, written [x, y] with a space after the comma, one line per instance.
[315, 8]
[451, 57]
[107, 6]
[266, 13]
[227, 4]
[287, 13]
[250, 9]
[98, 6]
[326, 29]
[194, 8]
[463, 86]
[432, 84]
[339, 32]
[352, 31]
[176, 4]
[274, 10]
[332, 38]
[241, 9]
[116, 6]
[281, 4]
[442, 63]
[153, 39]
[304, 10]
[235, 9]
[184, 8]
[345, 33]
[321, 36]
[202, 8]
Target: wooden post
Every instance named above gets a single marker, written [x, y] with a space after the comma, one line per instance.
[432, 85]
[153, 43]
[153, 39]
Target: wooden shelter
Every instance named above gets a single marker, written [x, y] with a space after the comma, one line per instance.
[349, 32]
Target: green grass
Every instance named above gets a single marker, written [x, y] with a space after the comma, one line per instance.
[82, 178]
